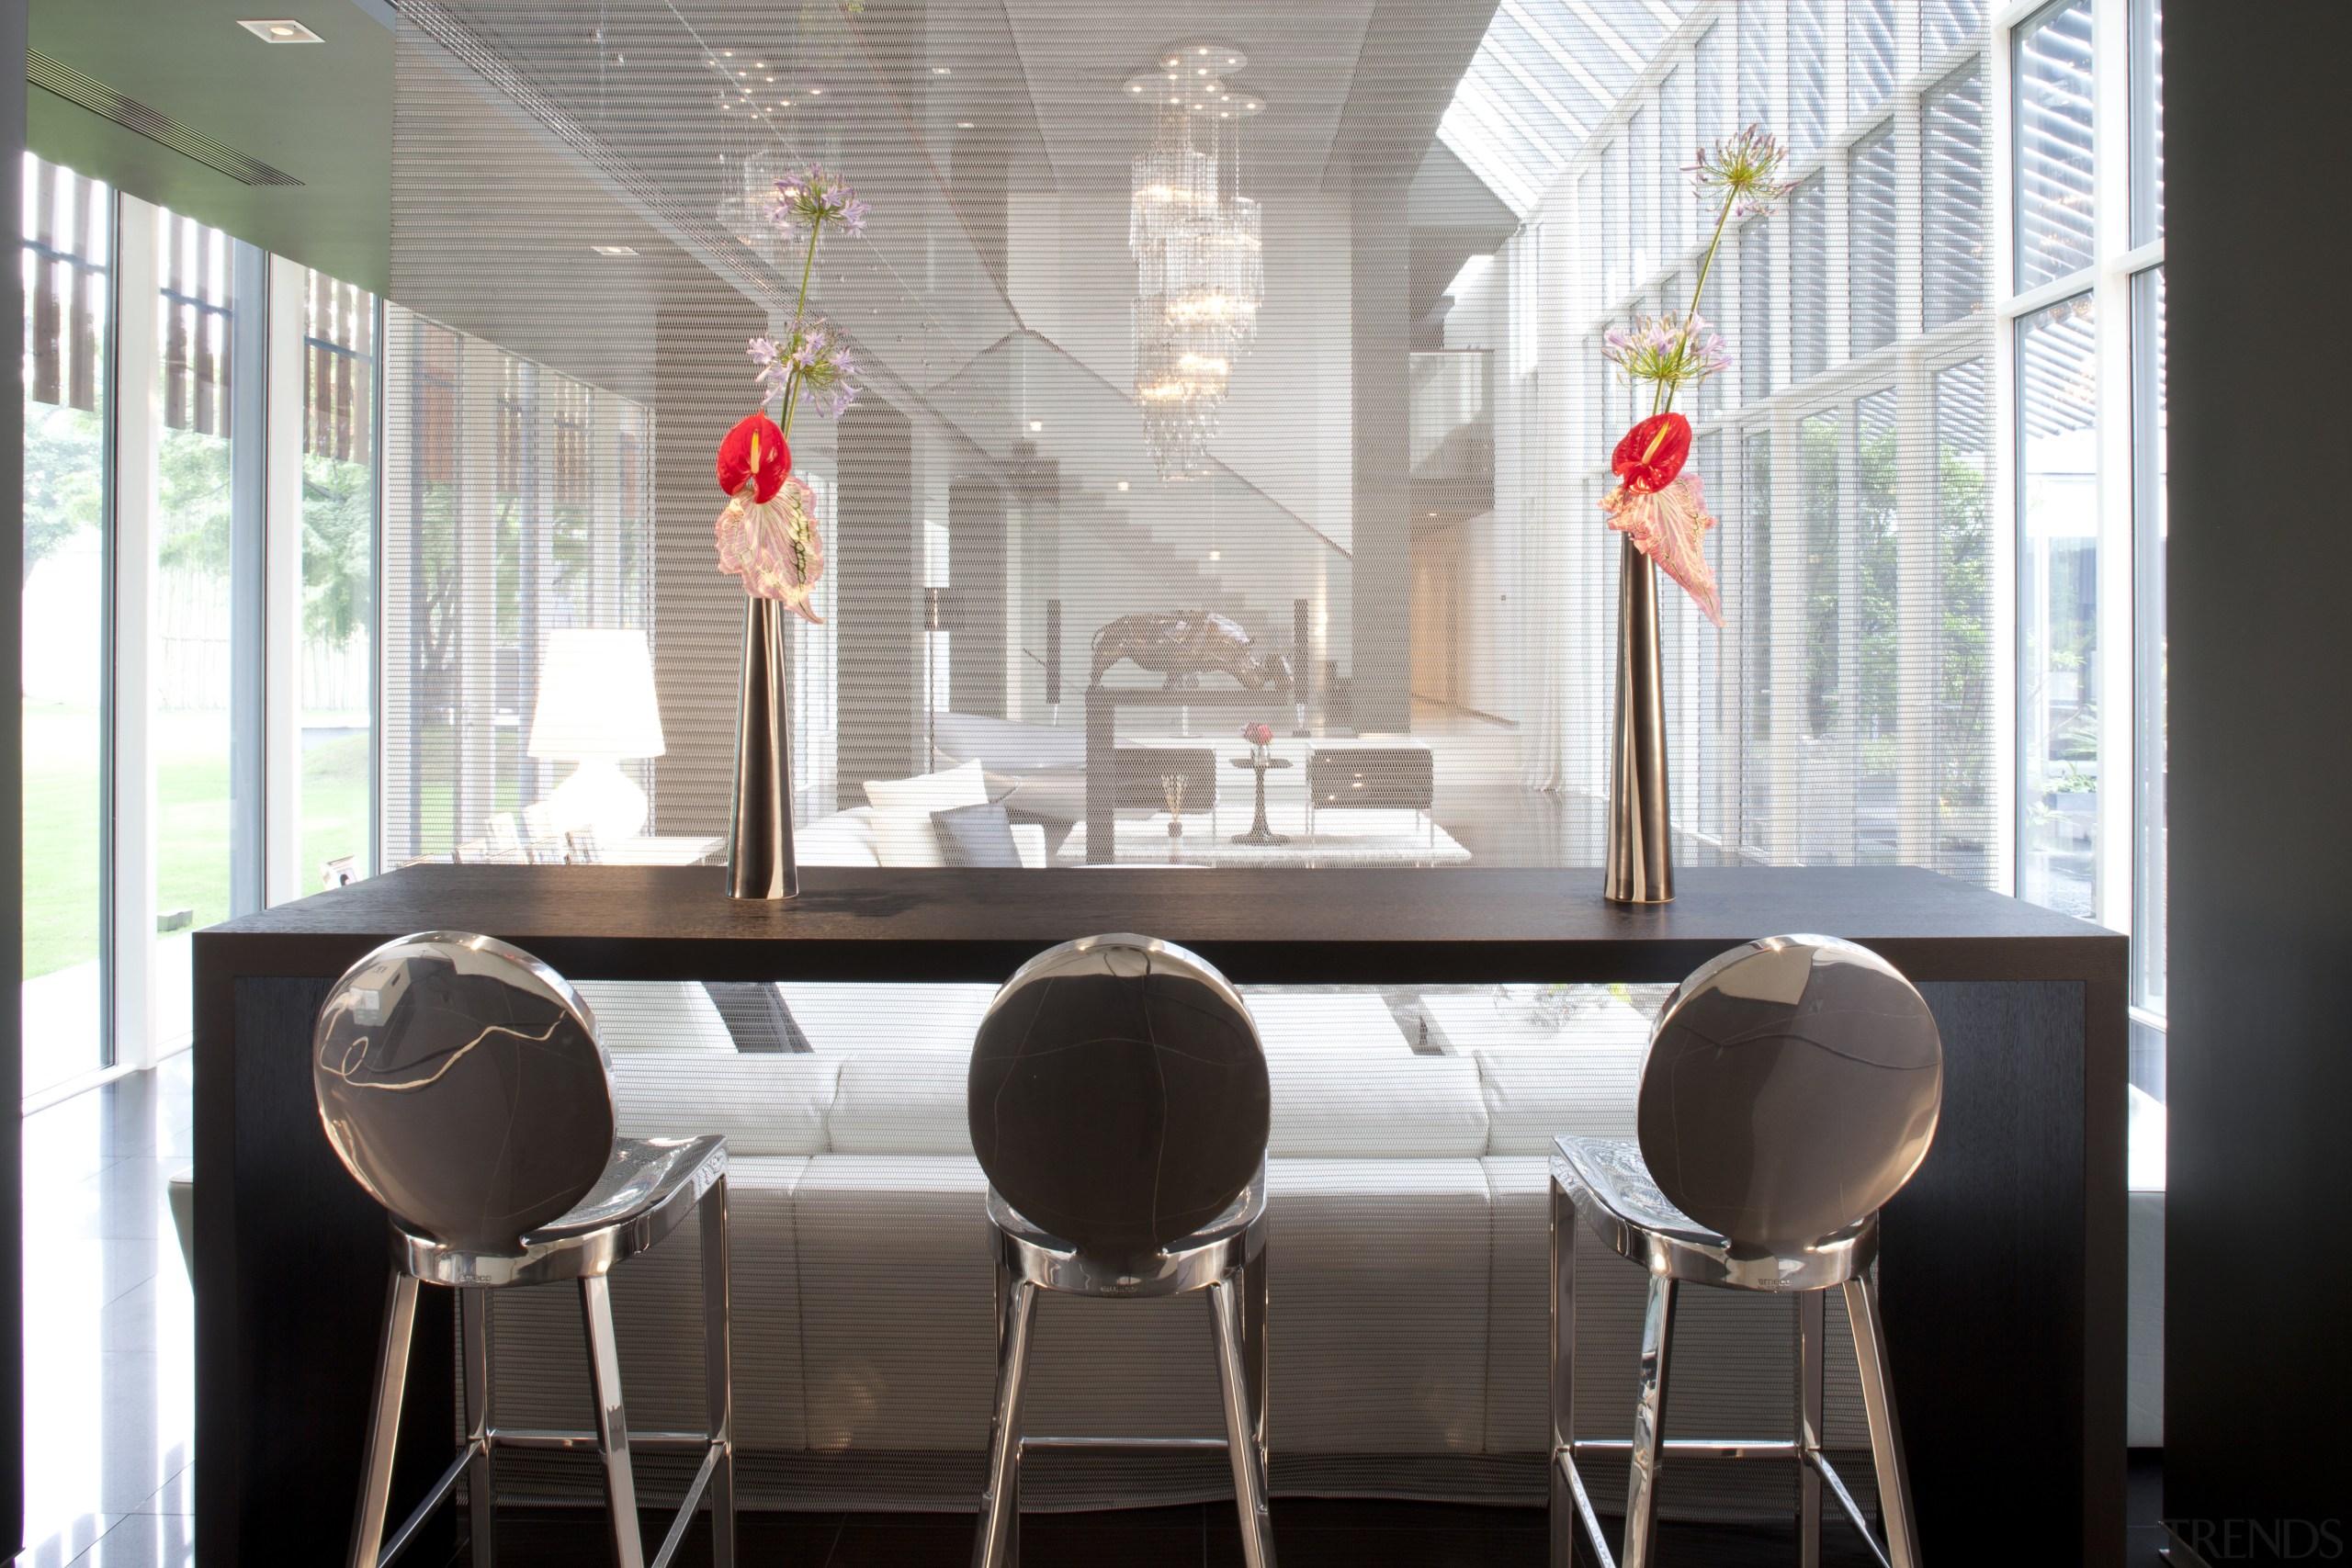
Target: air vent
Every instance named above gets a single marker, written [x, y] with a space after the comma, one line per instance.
[87, 92]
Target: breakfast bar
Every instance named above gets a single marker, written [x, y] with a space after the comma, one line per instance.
[2002, 1267]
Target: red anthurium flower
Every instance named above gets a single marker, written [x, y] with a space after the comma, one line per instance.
[1652, 453]
[755, 453]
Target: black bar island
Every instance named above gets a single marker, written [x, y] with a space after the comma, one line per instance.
[2002, 1267]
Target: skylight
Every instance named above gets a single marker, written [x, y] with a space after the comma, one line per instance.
[1543, 77]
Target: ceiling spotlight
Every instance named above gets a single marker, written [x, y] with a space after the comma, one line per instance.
[943, 71]
[816, 92]
[1123, 484]
[963, 125]
[614, 250]
[280, 30]
[1217, 554]
[1036, 426]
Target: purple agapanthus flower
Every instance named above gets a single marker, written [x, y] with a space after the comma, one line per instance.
[812, 362]
[1665, 352]
[806, 201]
[1743, 171]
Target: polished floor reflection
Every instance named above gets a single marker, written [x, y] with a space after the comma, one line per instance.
[109, 1329]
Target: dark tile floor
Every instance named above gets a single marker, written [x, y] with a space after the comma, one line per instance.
[111, 1413]
[1308, 1533]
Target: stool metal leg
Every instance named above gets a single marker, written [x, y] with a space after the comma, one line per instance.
[612, 1420]
[384, 1420]
[1812, 1358]
[998, 1542]
[1255, 1354]
[1563, 1515]
[1241, 1443]
[717, 1373]
[481, 1477]
[1649, 1425]
[1895, 1522]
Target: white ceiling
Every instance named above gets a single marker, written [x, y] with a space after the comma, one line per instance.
[1076, 59]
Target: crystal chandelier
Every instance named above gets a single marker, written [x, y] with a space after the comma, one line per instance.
[1198, 246]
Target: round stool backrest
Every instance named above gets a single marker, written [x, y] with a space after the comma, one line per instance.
[1118, 1095]
[463, 1085]
[1791, 1087]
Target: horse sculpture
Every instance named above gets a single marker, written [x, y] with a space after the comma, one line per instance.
[1184, 645]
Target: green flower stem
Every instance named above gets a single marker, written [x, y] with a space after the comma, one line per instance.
[1663, 399]
[792, 376]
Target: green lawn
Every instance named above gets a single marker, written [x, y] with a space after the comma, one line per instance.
[61, 813]
[61, 827]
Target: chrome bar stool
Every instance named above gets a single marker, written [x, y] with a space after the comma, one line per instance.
[463, 1085]
[1119, 1105]
[1791, 1088]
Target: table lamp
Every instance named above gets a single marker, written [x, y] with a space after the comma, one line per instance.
[595, 706]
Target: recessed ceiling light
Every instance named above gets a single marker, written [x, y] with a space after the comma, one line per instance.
[963, 125]
[1123, 484]
[1036, 426]
[1217, 554]
[943, 71]
[614, 250]
[816, 92]
[280, 30]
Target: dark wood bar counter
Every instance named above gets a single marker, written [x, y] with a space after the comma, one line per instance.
[2003, 1262]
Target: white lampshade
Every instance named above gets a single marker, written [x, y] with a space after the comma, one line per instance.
[596, 696]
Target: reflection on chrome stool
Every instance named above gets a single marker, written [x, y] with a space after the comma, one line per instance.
[1791, 1087]
[1119, 1105]
[463, 1085]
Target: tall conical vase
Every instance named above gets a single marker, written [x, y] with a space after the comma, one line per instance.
[759, 843]
[1640, 860]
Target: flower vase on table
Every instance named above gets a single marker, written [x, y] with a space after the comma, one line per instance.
[768, 536]
[1259, 761]
[1661, 509]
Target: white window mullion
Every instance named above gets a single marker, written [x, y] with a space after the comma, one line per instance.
[282, 871]
[2111, 219]
[138, 470]
[2000, 160]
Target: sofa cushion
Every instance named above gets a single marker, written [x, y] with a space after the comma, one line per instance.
[1372, 1104]
[976, 835]
[846, 838]
[903, 834]
[654, 1015]
[904, 1102]
[769, 1103]
[1535, 1093]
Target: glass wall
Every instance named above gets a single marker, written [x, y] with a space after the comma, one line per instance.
[517, 505]
[68, 281]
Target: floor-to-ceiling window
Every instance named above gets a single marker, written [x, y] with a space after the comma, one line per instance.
[192, 696]
[68, 275]
[149, 519]
[2083, 293]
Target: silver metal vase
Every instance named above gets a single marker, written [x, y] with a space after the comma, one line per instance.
[759, 843]
[1641, 859]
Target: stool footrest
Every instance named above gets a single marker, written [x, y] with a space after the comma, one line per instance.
[1216, 1444]
[424, 1509]
[570, 1442]
[1699, 1448]
[687, 1510]
[1565, 1459]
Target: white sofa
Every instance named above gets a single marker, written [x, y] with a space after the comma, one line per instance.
[1407, 1257]
[847, 838]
